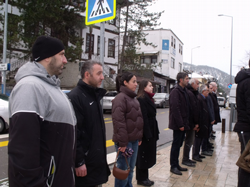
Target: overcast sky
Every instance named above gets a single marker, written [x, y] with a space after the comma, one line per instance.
[196, 23]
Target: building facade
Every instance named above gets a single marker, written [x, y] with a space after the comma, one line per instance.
[167, 56]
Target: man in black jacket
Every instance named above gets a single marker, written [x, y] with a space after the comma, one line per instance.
[192, 91]
[178, 120]
[91, 166]
[242, 127]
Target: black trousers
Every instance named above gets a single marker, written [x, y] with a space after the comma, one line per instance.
[189, 141]
[197, 147]
[178, 137]
[243, 176]
[141, 174]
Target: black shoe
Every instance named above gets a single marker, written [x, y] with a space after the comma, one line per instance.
[152, 182]
[187, 163]
[145, 183]
[200, 156]
[182, 169]
[206, 153]
[197, 159]
[175, 171]
[192, 161]
[210, 147]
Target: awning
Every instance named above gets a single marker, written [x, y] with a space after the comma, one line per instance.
[148, 53]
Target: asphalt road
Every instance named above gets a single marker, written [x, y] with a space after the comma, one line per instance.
[162, 118]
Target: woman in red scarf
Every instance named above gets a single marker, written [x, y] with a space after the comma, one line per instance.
[147, 151]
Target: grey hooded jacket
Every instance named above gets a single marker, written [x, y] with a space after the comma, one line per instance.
[42, 131]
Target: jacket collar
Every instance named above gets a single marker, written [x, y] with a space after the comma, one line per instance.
[190, 88]
[99, 92]
[127, 91]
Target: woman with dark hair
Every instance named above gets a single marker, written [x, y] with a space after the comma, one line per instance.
[147, 151]
[127, 124]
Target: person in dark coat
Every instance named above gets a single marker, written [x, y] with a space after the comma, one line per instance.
[178, 120]
[215, 103]
[192, 91]
[147, 151]
[203, 122]
[242, 126]
[91, 168]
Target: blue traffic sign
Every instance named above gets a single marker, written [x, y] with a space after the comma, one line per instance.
[229, 86]
[100, 10]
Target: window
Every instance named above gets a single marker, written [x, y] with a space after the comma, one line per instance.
[180, 67]
[98, 46]
[130, 40]
[149, 59]
[88, 43]
[172, 41]
[172, 62]
[111, 48]
[180, 49]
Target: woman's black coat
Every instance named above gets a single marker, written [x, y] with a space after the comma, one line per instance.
[204, 121]
[147, 150]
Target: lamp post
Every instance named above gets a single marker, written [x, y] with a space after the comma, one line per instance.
[5, 45]
[231, 105]
[231, 82]
[192, 58]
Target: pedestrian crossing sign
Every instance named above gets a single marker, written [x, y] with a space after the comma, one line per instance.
[100, 10]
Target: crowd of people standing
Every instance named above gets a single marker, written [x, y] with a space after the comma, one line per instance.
[193, 112]
[58, 140]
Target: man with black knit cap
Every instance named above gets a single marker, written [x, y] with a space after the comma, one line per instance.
[42, 121]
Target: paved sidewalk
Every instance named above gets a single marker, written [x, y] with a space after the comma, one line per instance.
[219, 170]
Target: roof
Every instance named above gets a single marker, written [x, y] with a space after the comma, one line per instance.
[196, 75]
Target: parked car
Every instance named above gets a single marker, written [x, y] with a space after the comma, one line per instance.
[66, 91]
[4, 113]
[221, 102]
[107, 100]
[161, 100]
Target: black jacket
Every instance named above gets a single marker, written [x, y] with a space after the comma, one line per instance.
[204, 118]
[210, 106]
[178, 109]
[91, 134]
[243, 100]
[216, 108]
[194, 104]
[147, 150]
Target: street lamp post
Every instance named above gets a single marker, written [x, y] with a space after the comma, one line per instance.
[231, 82]
[192, 58]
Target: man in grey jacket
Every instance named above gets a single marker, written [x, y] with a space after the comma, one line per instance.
[42, 121]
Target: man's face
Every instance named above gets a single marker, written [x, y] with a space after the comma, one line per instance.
[205, 92]
[210, 88]
[96, 76]
[57, 63]
[184, 82]
[195, 85]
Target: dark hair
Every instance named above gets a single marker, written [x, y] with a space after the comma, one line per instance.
[143, 84]
[249, 63]
[181, 75]
[87, 66]
[125, 76]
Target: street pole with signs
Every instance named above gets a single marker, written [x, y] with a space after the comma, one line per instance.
[99, 11]
[3, 66]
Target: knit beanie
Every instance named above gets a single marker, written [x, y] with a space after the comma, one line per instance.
[45, 47]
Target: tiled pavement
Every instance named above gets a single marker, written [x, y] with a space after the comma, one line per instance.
[219, 170]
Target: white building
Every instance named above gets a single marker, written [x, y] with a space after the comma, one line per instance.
[71, 73]
[168, 56]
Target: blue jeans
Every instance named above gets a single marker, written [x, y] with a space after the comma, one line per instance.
[121, 163]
